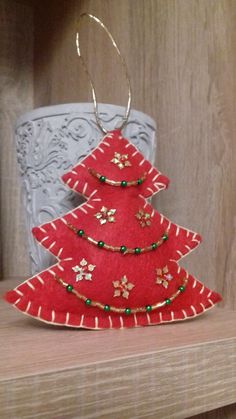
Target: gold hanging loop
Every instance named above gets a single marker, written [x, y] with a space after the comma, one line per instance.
[127, 111]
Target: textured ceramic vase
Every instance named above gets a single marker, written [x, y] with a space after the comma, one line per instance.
[52, 139]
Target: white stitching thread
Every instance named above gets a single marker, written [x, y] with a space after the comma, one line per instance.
[60, 251]
[17, 301]
[40, 279]
[53, 225]
[202, 289]
[39, 312]
[74, 215]
[30, 285]
[184, 313]
[84, 188]
[194, 310]
[28, 307]
[53, 316]
[51, 245]
[81, 320]
[148, 318]
[141, 163]
[83, 210]
[75, 184]
[67, 318]
[93, 193]
[155, 177]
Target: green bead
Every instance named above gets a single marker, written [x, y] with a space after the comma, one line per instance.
[123, 249]
[69, 288]
[100, 243]
[127, 311]
[106, 307]
[123, 183]
[167, 301]
[139, 181]
[88, 302]
[80, 233]
[164, 237]
[137, 250]
[102, 179]
[181, 288]
[148, 308]
[154, 246]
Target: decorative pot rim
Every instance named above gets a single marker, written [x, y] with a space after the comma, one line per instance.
[68, 108]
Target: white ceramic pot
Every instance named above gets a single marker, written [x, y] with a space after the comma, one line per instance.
[49, 141]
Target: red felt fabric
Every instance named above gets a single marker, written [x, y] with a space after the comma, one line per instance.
[47, 300]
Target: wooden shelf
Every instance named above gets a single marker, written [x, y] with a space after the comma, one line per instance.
[170, 371]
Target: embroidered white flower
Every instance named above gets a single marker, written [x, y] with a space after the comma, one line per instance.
[83, 270]
[122, 287]
[106, 215]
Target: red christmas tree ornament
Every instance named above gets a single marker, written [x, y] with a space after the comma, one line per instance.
[117, 256]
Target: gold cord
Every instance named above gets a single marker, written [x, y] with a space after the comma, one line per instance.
[127, 112]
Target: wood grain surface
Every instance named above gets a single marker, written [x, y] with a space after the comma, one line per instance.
[16, 97]
[181, 58]
[157, 372]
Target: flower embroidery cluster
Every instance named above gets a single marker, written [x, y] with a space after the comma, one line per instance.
[83, 270]
[105, 215]
[121, 160]
[163, 276]
[122, 287]
[143, 218]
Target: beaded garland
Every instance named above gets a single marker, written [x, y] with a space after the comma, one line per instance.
[121, 249]
[127, 310]
[122, 183]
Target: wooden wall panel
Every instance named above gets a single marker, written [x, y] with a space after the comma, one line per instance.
[16, 97]
[181, 57]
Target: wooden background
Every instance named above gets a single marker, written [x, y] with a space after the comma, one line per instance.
[181, 57]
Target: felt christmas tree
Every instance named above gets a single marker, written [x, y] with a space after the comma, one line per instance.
[117, 256]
